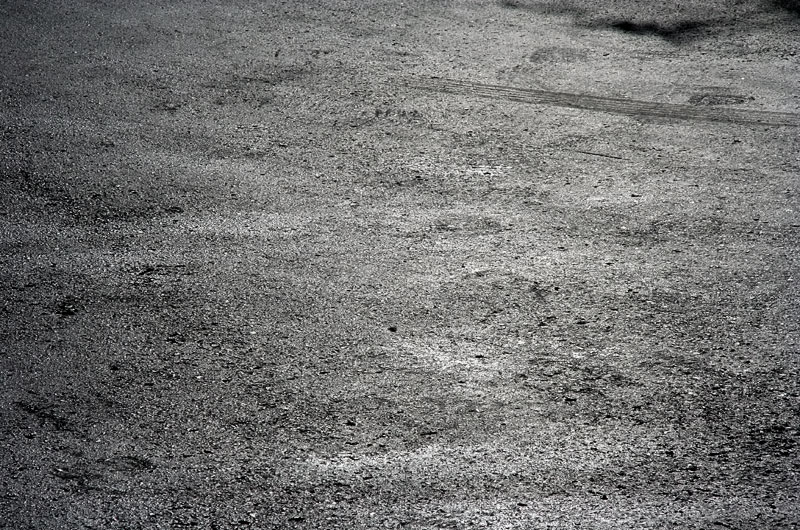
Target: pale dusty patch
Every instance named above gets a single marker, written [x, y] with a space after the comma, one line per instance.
[453, 357]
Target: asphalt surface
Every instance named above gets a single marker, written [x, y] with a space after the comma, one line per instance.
[450, 264]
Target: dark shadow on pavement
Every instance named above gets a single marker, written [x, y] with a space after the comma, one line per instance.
[792, 6]
[675, 33]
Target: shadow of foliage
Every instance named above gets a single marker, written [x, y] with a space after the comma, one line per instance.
[674, 26]
[792, 6]
[676, 33]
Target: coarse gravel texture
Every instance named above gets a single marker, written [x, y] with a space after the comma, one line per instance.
[512, 264]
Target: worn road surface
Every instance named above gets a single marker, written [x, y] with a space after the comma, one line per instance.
[440, 264]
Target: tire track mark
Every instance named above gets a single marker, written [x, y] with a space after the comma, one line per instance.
[613, 105]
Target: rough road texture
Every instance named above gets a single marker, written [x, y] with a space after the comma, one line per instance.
[293, 265]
